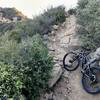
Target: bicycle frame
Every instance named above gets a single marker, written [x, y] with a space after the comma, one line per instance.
[86, 66]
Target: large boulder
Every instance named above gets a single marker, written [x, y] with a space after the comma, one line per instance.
[55, 75]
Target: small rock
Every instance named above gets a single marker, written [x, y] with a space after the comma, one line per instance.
[48, 96]
[55, 27]
[51, 49]
[63, 25]
[56, 59]
[56, 65]
[66, 74]
[52, 33]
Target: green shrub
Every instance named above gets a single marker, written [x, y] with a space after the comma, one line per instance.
[6, 27]
[38, 66]
[43, 23]
[89, 18]
[57, 13]
[26, 28]
[10, 82]
[82, 4]
[15, 35]
[31, 62]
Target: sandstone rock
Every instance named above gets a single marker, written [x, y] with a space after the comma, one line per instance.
[50, 48]
[63, 25]
[56, 65]
[55, 27]
[48, 96]
[55, 75]
[55, 59]
[52, 33]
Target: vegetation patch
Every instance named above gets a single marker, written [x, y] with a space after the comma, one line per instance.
[41, 24]
[25, 64]
[24, 68]
[89, 17]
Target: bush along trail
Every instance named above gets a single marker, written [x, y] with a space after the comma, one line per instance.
[60, 41]
[25, 64]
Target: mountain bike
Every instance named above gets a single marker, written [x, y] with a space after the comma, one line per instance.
[90, 72]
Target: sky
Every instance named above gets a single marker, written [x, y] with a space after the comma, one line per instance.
[32, 8]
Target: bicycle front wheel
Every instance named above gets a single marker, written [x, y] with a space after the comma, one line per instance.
[70, 61]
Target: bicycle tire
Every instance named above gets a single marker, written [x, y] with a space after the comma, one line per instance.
[66, 66]
[87, 86]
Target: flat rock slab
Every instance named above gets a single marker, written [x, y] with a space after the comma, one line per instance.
[56, 74]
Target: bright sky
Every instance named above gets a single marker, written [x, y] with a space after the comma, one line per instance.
[34, 7]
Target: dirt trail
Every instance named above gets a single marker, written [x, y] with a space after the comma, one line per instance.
[69, 87]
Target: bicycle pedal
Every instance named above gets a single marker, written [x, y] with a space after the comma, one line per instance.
[82, 71]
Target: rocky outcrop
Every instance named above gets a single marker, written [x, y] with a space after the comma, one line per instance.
[56, 27]
[56, 74]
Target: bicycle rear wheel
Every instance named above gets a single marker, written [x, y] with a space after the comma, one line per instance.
[70, 61]
[92, 87]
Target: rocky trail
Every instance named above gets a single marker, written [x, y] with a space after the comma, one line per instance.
[69, 86]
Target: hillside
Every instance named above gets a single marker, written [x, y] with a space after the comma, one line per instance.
[9, 14]
[32, 51]
[8, 18]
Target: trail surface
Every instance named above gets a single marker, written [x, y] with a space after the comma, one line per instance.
[60, 42]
